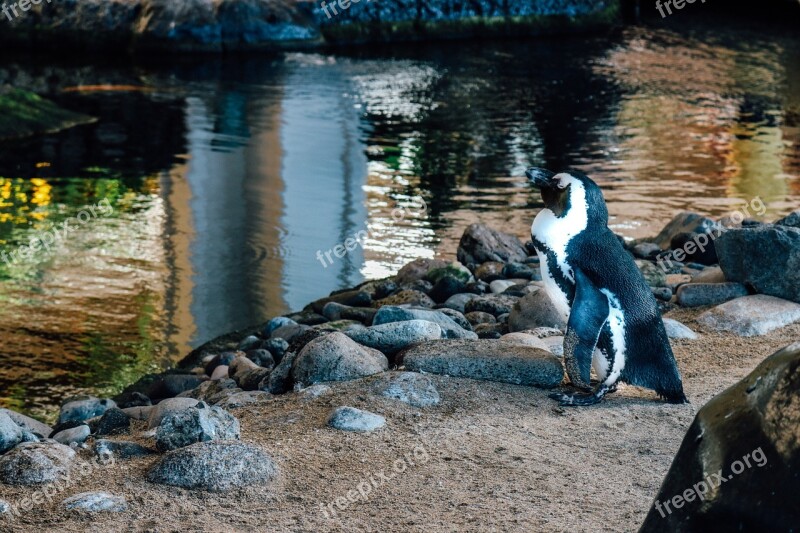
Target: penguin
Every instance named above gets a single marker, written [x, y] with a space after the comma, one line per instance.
[613, 322]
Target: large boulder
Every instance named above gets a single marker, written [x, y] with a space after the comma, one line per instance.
[766, 258]
[392, 337]
[336, 357]
[685, 222]
[736, 469]
[215, 466]
[488, 360]
[750, 316]
[480, 244]
[535, 310]
[31, 424]
[10, 433]
[35, 463]
[450, 328]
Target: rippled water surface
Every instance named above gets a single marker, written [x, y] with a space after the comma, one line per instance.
[227, 177]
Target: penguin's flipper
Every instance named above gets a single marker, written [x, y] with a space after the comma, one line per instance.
[589, 315]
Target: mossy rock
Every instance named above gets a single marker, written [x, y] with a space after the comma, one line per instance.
[24, 113]
[455, 270]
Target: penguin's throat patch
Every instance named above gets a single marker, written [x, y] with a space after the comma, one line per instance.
[556, 231]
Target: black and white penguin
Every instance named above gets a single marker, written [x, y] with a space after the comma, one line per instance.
[613, 322]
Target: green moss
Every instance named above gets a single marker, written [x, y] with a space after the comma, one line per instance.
[357, 32]
[24, 113]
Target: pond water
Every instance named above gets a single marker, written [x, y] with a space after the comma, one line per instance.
[225, 178]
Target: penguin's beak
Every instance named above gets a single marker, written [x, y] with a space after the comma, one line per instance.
[540, 177]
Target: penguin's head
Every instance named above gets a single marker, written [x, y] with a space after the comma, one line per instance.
[570, 189]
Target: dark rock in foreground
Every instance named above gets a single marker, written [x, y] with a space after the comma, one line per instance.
[749, 435]
[216, 466]
[487, 360]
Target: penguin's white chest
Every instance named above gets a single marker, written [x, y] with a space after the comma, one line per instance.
[557, 295]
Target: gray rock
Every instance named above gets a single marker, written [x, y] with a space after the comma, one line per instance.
[352, 298]
[196, 424]
[35, 463]
[654, 276]
[450, 328]
[412, 388]
[697, 294]
[171, 385]
[113, 421]
[753, 424]
[290, 332]
[314, 391]
[336, 357]
[685, 222]
[445, 288]
[77, 435]
[491, 331]
[334, 311]
[459, 318]
[5, 508]
[251, 342]
[490, 271]
[342, 326]
[275, 323]
[646, 250]
[80, 410]
[792, 220]
[216, 466]
[520, 271]
[96, 502]
[352, 419]
[709, 275]
[457, 302]
[279, 380]
[31, 424]
[535, 310]
[494, 304]
[120, 449]
[488, 360]
[240, 399]
[751, 315]
[141, 412]
[479, 317]
[676, 330]
[419, 269]
[168, 406]
[480, 243]
[407, 297]
[526, 339]
[10, 433]
[392, 337]
[246, 373]
[662, 293]
[264, 358]
[276, 348]
[212, 392]
[766, 258]
[500, 285]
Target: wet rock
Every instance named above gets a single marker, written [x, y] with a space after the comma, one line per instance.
[166, 407]
[479, 317]
[196, 424]
[395, 336]
[412, 388]
[336, 357]
[10, 433]
[350, 298]
[751, 315]
[120, 449]
[334, 311]
[84, 409]
[766, 258]
[488, 360]
[114, 420]
[750, 433]
[352, 419]
[263, 358]
[458, 302]
[445, 288]
[685, 222]
[535, 311]
[275, 323]
[697, 294]
[450, 328]
[654, 276]
[279, 380]
[216, 466]
[171, 385]
[480, 243]
[677, 330]
[490, 271]
[77, 435]
[453, 270]
[31, 424]
[407, 297]
[494, 304]
[35, 463]
[96, 502]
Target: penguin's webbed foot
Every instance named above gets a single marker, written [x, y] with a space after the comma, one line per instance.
[581, 399]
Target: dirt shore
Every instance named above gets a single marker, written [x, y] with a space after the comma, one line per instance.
[490, 457]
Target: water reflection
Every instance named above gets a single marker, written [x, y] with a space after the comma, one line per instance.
[227, 177]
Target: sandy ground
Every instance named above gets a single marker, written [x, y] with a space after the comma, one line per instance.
[490, 457]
